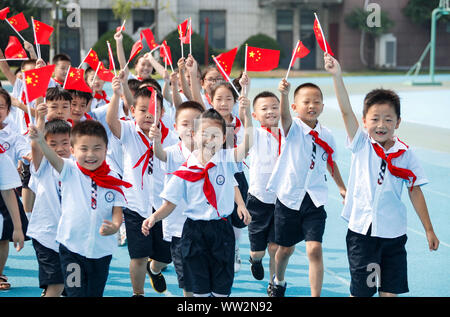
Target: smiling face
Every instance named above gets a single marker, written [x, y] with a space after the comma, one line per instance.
[211, 77]
[60, 143]
[380, 122]
[143, 68]
[61, 69]
[144, 119]
[98, 84]
[223, 101]
[266, 110]
[4, 109]
[58, 109]
[308, 105]
[209, 138]
[185, 126]
[78, 107]
[89, 151]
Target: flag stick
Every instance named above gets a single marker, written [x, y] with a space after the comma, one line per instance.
[190, 35]
[321, 32]
[165, 64]
[82, 61]
[28, 105]
[167, 57]
[292, 58]
[15, 30]
[67, 75]
[111, 57]
[245, 63]
[95, 74]
[123, 24]
[228, 78]
[13, 59]
[155, 49]
[156, 106]
[181, 41]
[38, 48]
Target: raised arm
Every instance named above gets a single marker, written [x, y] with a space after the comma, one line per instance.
[36, 152]
[191, 65]
[157, 66]
[176, 97]
[242, 149]
[286, 119]
[119, 49]
[184, 83]
[30, 48]
[350, 121]
[50, 155]
[111, 114]
[155, 135]
[4, 67]
[245, 88]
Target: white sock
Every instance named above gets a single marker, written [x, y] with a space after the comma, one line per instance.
[153, 271]
[202, 295]
[277, 282]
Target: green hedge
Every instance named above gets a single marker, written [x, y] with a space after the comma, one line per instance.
[258, 40]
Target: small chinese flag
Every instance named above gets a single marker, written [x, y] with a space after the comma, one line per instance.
[119, 28]
[104, 73]
[185, 31]
[19, 22]
[14, 50]
[137, 47]
[43, 32]
[164, 52]
[299, 52]
[92, 59]
[75, 80]
[152, 104]
[3, 13]
[36, 81]
[320, 38]
[148, 35]
[262, 59]
[226, 61]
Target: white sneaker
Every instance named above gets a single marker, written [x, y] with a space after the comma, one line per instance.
[237, 260]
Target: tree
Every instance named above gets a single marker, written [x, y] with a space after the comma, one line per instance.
[419, 11]
[360, 19]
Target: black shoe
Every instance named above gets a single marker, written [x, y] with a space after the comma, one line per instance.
[269, 289]
[257, 269]
[157, 281]
[278, 290]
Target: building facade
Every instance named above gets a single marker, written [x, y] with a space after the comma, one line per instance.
[231, 22]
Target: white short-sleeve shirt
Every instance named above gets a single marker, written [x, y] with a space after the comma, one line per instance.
[369, 202]
[222, 179]
[46, 214]
[16, 145]
[9, 179]
[263, 156]
[80, 223]
[293, 176]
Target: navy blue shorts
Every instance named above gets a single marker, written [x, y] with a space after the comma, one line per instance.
[293, 226]
[8, 226]
[261, 229]
[140, 246]
[175, 250]
[83, 277]
[373, 257]
[207, 248]
[49, 265]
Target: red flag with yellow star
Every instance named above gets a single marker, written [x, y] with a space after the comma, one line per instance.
[14, 50]
[148, 35]
[104, 73]
[43, 32]
[226, 61]
[262, 59]
[92, 59]
[318, 32]
[36, 81]
[75, 80]
[165, 53]
[185, 31]
[18, 22]
[3, 13]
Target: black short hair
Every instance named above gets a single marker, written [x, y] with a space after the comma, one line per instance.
[382, 96]
[211, 114]
[61, 58]
[81, 94]
[188, 105]
[208, 69]
[90, 128]
[27, 62]
[57, 126]
[265, 94]
[308, 85]
[144, 92]
[5, 94]
[134, 84]
[225, 84]
[150, 82]
[57, 93]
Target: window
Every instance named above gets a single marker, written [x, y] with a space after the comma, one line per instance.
[284, 34]
[106, 21]
[143, 18]
[216, 27]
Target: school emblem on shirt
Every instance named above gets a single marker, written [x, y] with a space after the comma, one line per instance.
[6, 146]
[220, 179]
[324, 156]
[109, 196]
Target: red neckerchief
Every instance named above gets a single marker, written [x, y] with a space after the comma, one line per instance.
[25, 114]
[101, 178]
[237, 127]
[70, 121]
[87, 116]
[208, 188]
[139, 78]
[277, 137]
[2, 150]
[209, 99]
[101, 96]
[149, 152]
[324, 146]
[58, 82]
[396, 171]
